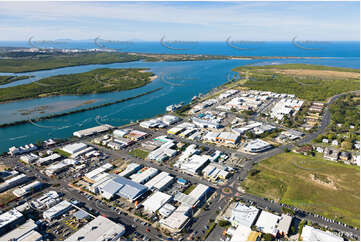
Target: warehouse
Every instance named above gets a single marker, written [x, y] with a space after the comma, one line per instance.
[206, 124]
[131, 169]
[34, 186]
[166, 210]
[47, 200]
[12, 182]
[29, 158]
[175, 222]
[163, 153]
[160, 181]
[311, 234]
[284, 224]
[114, 185]
[155, 201]
[120, 133]
[74, 148]
[24, 232]
[57, 210]
[175, 130]
[93, 130]
[257, 145]
[99, 229]
[243, 215]
[144, 175]
[136, 135]
[194, 164]
[48, 159]
[228, 138]
[60, 167]
[10, 220]
[267, 223]
[93, 175]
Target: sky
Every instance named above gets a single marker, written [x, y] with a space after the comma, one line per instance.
[180, 21]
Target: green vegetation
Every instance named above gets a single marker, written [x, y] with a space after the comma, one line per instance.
[10, 79]
[62, 152]
[139, 153]
[48, 61]
[289, 178]
[309, 82]
[95, 81]
[189, 189]
[224, 223]
[345, 121]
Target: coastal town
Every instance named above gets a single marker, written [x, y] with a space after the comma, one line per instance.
[177, 176]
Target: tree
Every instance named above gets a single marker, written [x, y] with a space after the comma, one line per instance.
[268, 237]
[346, 145]
[224, 223]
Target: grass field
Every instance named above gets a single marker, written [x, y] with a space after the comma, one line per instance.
[139, 153]
[309, 82]
[310, 183]
[95, 81]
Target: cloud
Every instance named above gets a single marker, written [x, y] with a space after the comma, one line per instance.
[150, 20]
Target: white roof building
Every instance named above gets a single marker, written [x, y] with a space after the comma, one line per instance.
[23, 233]
[9, 218]
[93, 130]
[175, 222]
[267, 223]
[99, 229]
[284, 224]
[144, 175]
[243, 215]
[131, 168]
[257, 145]
[74, 147]
[57, 210]
[48, 159]
[155, 201]
[311, 234]
[194, 164]
[166, 210]
[160, 181]
[27, 189]
[241, 233]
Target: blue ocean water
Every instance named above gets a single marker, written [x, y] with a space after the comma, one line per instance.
[180, 82]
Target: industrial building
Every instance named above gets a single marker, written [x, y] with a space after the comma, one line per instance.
[311, 234]
[228, 138]
[99, 229]
[74, 148]
[166, 210]
[114, 185]
[48, 159]
[24, 232]
[12, 182]
[120, 133]
[176, 221]
[257, 145]
[9, 220]
[206, 123]
[155, 201]
[95, 174]
[48, 200]
[241, 233]
[267, 223]
[57, 210]
[243, 215]
[136, 135]
[215, 171]
[29, 158]
[25, 190]
[131, 169]
[93, 130]
[194, 164]
[165, 151]
[284, 224]
[22, 149]
[144, 175]
[160, 181]
[60, 166]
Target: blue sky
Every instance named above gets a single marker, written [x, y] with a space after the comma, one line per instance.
[188, 21]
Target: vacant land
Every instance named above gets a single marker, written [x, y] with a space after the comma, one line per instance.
[139, 153]
[309, 82]
[10, 79]
[96, 81]
[310, 183]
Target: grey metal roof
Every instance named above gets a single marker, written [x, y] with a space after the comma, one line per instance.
[124, 187]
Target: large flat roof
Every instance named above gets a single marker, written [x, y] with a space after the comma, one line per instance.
[99, 229]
